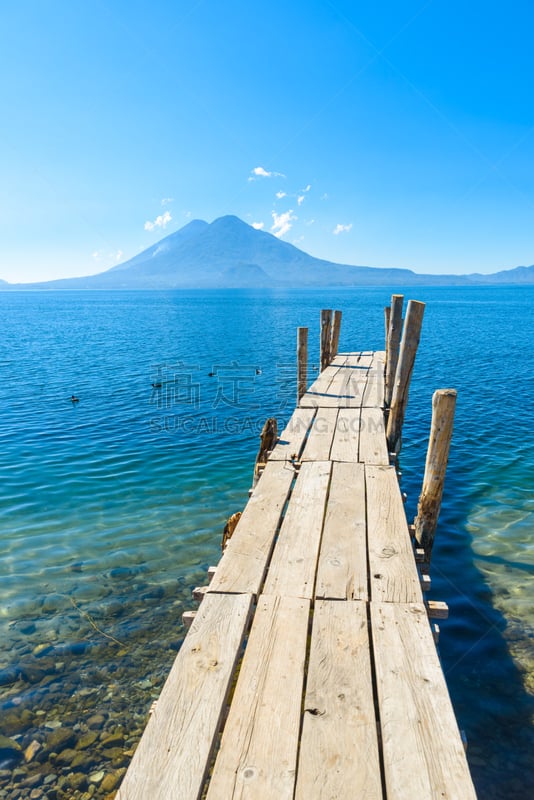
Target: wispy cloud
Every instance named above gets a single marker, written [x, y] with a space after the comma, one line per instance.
[261, 172]
[281, 194]
[300, 199]
[107, 255]
[307, 189]
[258, 225]
[160, 221]
[166, 200]
[324, 196]
[341, 228]
[282, 223]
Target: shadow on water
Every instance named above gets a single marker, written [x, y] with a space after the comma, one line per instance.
[486, 684]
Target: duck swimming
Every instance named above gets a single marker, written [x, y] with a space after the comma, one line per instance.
[74, 399]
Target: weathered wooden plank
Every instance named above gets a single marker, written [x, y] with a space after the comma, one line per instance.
[173, 755]
[374, 394]
[342, 570]
[345, 446]
[321, 435]
[244, 563]
[345, 390]
[373, 445]
[291, 441]
[393, 574]
[340, 359]
[323, 381]
[348, 385]
[294, 561]
[423, 750]
[339, 748]
[258, 755]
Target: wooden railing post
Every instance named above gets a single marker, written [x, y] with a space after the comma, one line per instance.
[387, 316]
[408, 349]
[393, 342]
[443, 405]
[334, 339]
[302, 362]
[326, 335]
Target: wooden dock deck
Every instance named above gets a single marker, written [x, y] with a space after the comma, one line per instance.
[310, 669]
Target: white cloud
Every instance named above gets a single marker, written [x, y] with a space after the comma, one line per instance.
[324, 196]
[341, 228]
[258, 225]
[281, 194]
[107, 256]
[300, 199]
[260, 172]
[160, 222]
[282, 223]
[307, 189]
[166, 200]
[309, 222]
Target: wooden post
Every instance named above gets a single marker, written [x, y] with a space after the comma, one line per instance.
[326, 327]
[334, 339]
[387, 315]
[408, 349]
[302, 362]
[443, 405]
[268, 439]
[393, 342]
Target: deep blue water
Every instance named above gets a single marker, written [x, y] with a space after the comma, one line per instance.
[112, 507]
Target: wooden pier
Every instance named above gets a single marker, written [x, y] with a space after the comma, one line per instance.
[310, 669]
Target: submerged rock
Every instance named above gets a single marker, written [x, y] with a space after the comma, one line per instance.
[60, 739]
[10, 751]
[32, 749]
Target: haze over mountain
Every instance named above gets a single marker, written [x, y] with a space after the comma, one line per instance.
[230, 253]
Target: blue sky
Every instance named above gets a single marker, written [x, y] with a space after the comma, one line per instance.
[387, 134]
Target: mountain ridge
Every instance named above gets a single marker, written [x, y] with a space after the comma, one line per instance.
[229, 253]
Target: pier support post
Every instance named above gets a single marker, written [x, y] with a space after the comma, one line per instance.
[334, 340]
[268, 439]
[326, 336]
[393, 342]
[408, 349]
[302, 362]
[387, 317]
[443, 405]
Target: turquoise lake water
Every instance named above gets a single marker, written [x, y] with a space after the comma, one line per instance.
[111, 508]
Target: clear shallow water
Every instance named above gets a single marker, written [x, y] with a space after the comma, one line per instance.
[112, 508]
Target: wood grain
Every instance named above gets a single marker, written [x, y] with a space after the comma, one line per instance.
[292, 438]
[373, 445]
[342, 571]
[244, 563]
[258, 755]
[339, 748]
[393, 574]
[294, 562]
[346, 444]
[321, 435]
[423, 751]
[173, 755]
